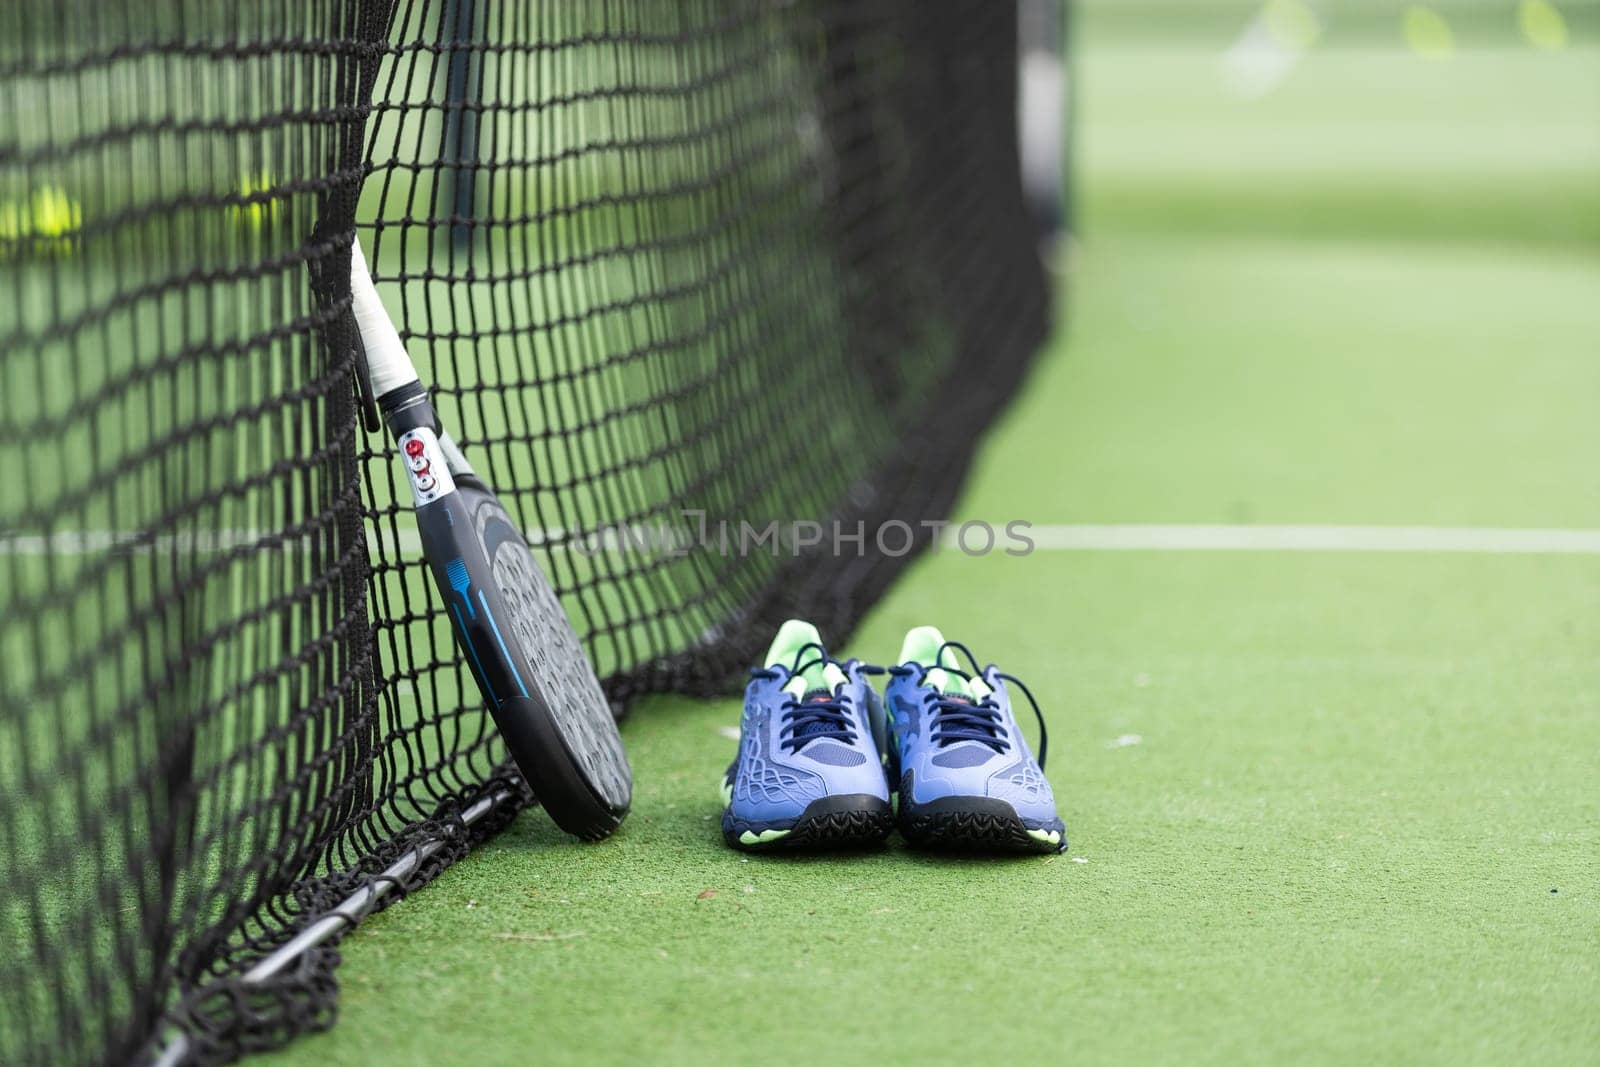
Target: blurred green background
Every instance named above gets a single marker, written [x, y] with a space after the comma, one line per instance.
[1468, 121]
[1333, 265]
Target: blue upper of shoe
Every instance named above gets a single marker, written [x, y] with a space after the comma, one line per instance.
[807, 735]
[954, 735]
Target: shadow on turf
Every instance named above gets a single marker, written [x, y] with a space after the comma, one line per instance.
[693, 830]
[894, 849]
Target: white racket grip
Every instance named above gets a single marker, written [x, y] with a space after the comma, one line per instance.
[387, 363]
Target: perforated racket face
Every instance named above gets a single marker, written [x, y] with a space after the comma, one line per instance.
[550, 648]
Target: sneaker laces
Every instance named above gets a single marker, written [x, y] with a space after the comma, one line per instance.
[818, 714]
[957, 717]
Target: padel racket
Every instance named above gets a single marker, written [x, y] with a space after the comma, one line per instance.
[540, 686]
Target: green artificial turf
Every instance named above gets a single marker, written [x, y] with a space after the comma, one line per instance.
[1323, 807]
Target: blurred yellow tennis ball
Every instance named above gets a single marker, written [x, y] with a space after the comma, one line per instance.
[257, 213]
[1542, 24]
[1291, 23]
[1427, 33]
[47, 220]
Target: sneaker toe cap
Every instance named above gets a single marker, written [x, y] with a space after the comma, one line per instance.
[1025, 788]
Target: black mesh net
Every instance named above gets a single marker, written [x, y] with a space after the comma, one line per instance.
[666, 265]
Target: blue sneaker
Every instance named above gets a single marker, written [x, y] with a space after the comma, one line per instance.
[811, 742]
[967, 778]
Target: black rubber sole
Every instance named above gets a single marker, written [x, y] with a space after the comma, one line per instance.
[971, 824]
[841, 822]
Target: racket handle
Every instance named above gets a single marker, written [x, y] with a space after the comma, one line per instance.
[388, 366]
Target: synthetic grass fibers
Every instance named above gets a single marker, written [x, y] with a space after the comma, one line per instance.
[1323, 806]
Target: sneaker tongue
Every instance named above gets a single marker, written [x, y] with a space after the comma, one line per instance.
[785, 652]
[811, 729]
[950, 685]
[792, 636]
[822, 678]
[968, 692]
[954, 687]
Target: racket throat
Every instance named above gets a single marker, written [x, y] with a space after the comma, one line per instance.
[419, 442]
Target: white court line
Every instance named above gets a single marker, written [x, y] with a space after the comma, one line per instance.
[1076, 538]
[1480, 539]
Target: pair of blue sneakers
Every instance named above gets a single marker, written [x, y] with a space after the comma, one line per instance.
[820, 753]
